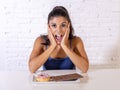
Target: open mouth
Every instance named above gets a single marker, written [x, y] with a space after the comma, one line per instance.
[58, 38]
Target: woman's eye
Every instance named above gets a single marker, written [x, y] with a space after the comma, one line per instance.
[54, 25]
[63, 25]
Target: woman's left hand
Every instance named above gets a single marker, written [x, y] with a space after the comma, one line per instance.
[66, 36]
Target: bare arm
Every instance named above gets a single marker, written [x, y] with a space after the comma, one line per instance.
[38, 57]
[78, 56]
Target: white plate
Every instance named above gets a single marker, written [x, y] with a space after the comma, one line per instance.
[53, 74]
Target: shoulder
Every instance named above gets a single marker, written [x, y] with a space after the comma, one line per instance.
[37, 42]
[38, 39]
[77, 40]
[37, 47]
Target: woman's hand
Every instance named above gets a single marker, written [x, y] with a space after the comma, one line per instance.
[51, 38]
[66, 36]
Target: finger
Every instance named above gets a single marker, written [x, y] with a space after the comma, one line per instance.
[49, 29]
[68, 25]
[68, 30]
[66, 35]
[49, 33]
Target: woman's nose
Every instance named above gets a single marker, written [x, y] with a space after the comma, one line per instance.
[59, 30]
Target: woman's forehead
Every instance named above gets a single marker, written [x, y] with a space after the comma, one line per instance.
[58, 19]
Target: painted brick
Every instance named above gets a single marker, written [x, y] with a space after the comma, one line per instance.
[97, 22]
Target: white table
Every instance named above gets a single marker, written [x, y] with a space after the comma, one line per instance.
[99, 79]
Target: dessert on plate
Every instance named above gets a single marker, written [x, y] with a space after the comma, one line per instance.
[44, 77]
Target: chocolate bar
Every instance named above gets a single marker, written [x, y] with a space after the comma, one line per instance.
[66, 77]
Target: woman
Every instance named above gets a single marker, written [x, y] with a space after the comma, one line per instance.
[59, 49]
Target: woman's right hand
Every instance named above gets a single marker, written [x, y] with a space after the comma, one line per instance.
[51, 38]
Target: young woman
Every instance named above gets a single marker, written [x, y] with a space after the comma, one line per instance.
[60, 49]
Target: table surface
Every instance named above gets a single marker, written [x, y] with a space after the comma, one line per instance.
[95, 79]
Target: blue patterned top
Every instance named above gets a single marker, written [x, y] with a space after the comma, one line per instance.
[59, 64]
[55, 64]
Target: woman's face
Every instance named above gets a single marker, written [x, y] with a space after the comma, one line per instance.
[58, 26]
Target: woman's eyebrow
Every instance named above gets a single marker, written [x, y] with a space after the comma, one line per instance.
[53, 23]
[64, 22]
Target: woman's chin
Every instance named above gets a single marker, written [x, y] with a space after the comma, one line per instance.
[58, 43]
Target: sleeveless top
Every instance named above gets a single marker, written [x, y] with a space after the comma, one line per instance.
[58, 63]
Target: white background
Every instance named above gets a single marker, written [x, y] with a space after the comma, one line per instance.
[97, 22]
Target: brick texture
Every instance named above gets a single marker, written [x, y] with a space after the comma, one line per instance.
[97, 22]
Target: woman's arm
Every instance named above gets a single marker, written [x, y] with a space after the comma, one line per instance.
[78, 56]
[38, 57]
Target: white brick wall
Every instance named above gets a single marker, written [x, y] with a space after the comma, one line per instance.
[97, 22]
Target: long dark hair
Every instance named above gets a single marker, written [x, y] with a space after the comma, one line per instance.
[58, 11]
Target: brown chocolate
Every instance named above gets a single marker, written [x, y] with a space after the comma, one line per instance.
[65, 77]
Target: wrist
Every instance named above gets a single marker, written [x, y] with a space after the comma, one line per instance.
[52, 46]
[64, 46]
